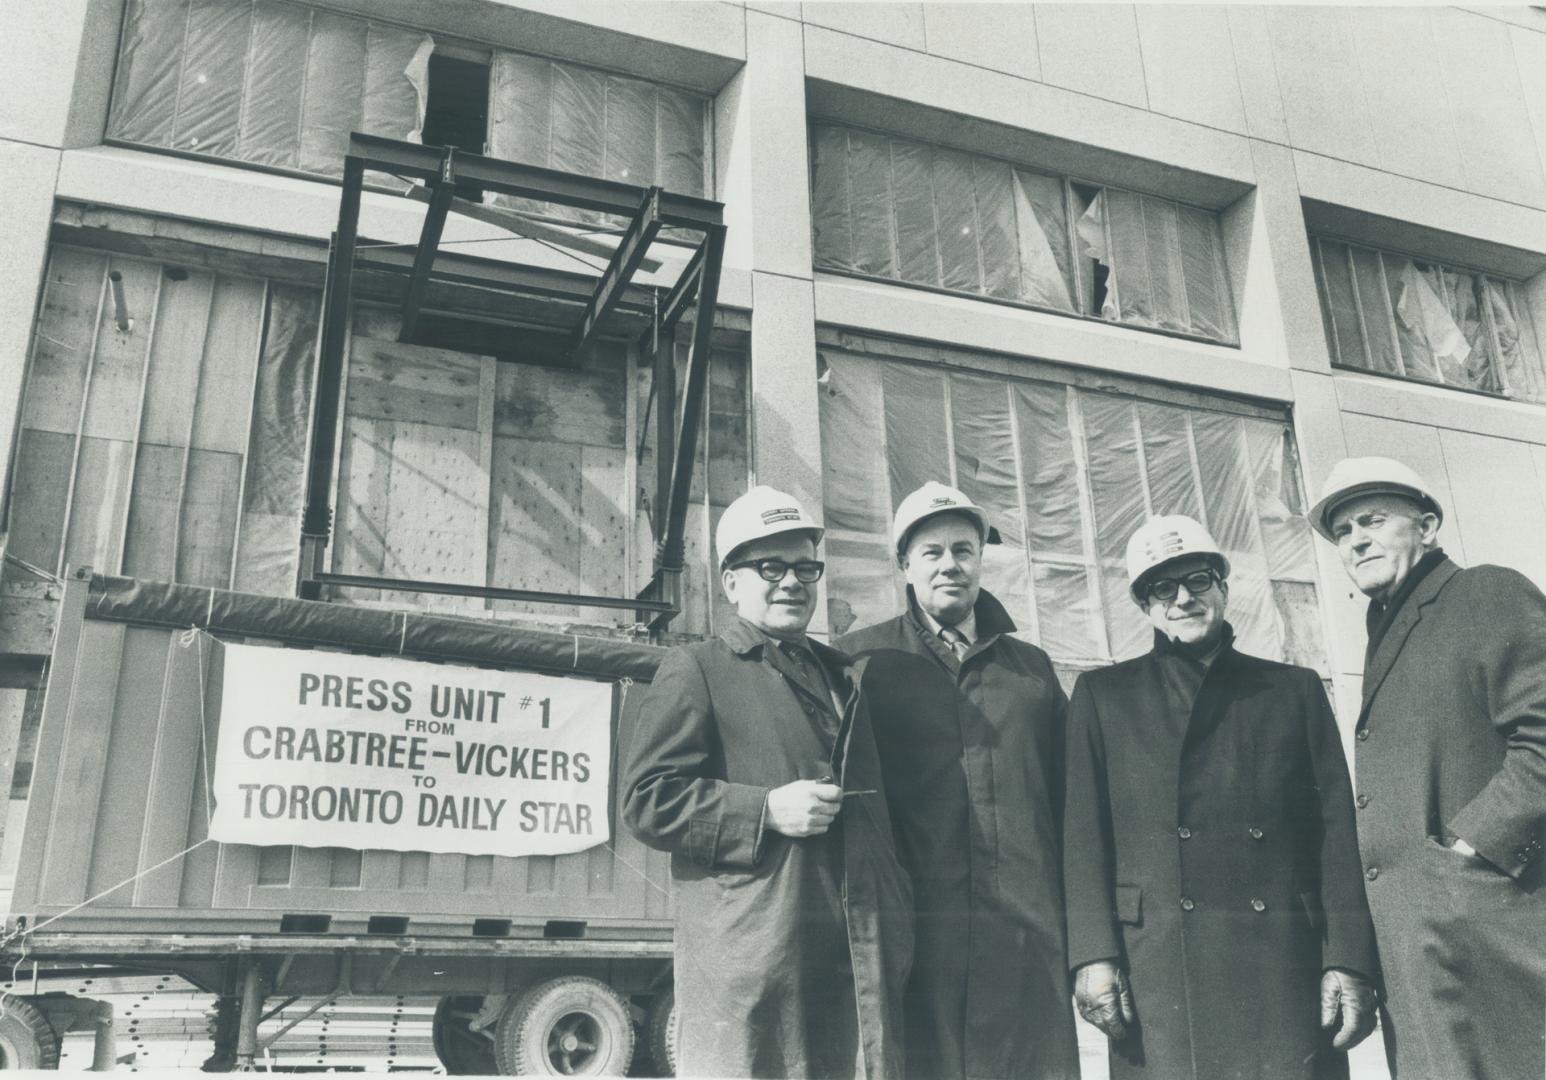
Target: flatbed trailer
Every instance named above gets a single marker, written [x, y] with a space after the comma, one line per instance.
[540, 963]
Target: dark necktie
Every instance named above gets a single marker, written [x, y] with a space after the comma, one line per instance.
[956, 640]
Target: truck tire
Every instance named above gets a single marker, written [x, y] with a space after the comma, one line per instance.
[27, 1040]
[569, 1026]
[461, 1050]
[661, 1030]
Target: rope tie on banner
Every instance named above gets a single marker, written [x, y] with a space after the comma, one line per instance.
[402, 635]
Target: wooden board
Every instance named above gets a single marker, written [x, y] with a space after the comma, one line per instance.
[149, 541]
[118, 368]
[172, 380]
[62, 340]
[208, 523]
[230, 354]
[38, 492]
[97, 511]
[392, 381]
[583, 407]
[534, 518]
[603, 523]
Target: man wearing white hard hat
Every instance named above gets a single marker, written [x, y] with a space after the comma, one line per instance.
[1216, 916]
[1450, 755]
[969, 721]
[753, 763]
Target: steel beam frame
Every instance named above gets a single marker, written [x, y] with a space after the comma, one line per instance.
[648, 210]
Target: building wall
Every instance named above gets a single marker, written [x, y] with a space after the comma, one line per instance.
[1424, 125]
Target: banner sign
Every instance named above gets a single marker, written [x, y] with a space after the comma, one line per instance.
[325, 749]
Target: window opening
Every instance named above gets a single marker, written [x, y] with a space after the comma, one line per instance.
[456, 112]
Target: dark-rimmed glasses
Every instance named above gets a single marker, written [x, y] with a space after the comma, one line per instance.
[1167, 589]
[806, 570]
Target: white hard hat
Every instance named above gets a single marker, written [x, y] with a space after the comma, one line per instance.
[1164, 539]
[933, 498]
[1351, 477]
[760, 513]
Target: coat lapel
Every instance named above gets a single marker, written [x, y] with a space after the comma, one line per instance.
[1395, 638]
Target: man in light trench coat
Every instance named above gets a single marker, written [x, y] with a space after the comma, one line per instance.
[752, 762]
[969, 722]
[1216, 916]
[1450, 755]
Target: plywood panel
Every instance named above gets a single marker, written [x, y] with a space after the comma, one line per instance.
[172, 382]
[208, 522]
[176, 745]
[603, 521]
[1188, 64]
[1493, 491]
[436, 520]
[62, 344]
[391, 381]
[534, 517]
[1092, 48]
[230, 354]
[1321, 86]
[1414, 132]
[118, 369]
[97, 509]
[582, 407]
[38, 493]
[150, 542]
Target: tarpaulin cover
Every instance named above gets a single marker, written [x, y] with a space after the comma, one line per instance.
[1392, 314]
[595, 123]
[265, 81]
[891, 207]
[1066, 475]
[304, 622]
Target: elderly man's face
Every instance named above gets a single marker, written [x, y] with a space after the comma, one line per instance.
[1380, 537]
[943, 564]
[1188, 618]
[781, 608]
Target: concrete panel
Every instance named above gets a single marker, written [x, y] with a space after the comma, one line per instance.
[1414, 130]
[972, 324]
[1494, 502]
[1538, 454]
[1530, 57]
[1257, 71]
[997, 36]
[1322, 93]
[1438, 406]
[786, 440]
[39, 52]
[762, 153]
[1407, 203]
[1418, 445]
[1281, 249]
[1189, 64]
[1092, 48]
[1493, 124]
[893, 23]
[30, 173]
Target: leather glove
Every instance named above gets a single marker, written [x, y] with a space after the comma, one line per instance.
[1348, 1008]
[1103, 998]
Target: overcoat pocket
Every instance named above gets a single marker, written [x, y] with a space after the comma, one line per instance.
[1129, 904]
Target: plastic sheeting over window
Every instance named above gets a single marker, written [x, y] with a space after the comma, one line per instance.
[1066, 475]
[263, 81]
[173, 450]
[1399, 316]
[595, 123]
[893, 208]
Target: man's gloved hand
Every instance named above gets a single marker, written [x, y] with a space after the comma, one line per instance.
[1103, 998]
[1348, 1007]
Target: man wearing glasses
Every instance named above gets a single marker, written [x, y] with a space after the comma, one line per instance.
[1450, 750]
[1216, 916]
[969, 721]
[752, 762]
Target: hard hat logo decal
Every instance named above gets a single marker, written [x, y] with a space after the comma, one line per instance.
[788, 513]
[943, 500]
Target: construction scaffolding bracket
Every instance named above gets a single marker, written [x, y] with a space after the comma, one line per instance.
[437, 173]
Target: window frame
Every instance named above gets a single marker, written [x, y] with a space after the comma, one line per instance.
[1511, 287]
[1070, 203]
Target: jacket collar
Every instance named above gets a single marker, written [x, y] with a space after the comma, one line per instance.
[1400, 628]
[745, 639]
[1164, 646]
[992, 617]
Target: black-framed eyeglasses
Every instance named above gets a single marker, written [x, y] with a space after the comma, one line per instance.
[806, 570]
[1197, 582]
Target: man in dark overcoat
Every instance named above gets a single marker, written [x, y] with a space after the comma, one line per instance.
[753, 763]
[1216, 916]
[969, 722]
[1450, 751]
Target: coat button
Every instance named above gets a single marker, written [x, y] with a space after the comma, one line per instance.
[1363, 734]
[1363, 801]
[1186, 903]
[1258, 905]
[1372, 873]
[1184, 833]
[1256, 834]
